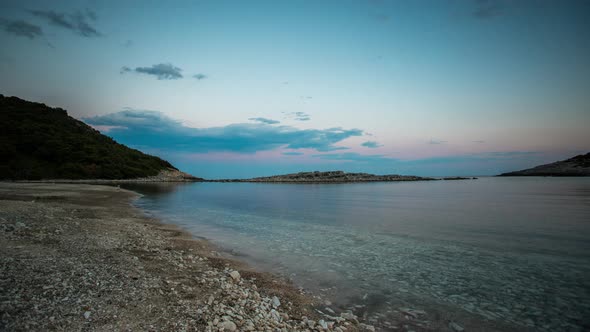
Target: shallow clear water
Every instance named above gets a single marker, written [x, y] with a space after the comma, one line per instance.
[514, 250]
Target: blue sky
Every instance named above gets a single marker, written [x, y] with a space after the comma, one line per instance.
[249, 88]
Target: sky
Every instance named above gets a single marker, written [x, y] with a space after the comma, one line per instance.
[235, 89]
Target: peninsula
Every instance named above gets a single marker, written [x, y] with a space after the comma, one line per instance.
[576, 166]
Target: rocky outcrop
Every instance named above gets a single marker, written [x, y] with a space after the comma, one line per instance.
[576, 166]
[168, 175]
[165, 175]
[329, 177]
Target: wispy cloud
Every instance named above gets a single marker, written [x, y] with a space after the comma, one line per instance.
[371, 144]
[477, 157]
[131, 118]
[5, 58]
[487, 9]
[298, 116]
[78, 22]
[436, 141]
[475, 164]
[264, 120]
[353, 156]
[163, 71]
[106, 129]
[508, 154]
[379, 158]
[479, 142]
[21, 28]
[91, 14]
[154, 129]
[200, 76]
[293, 153]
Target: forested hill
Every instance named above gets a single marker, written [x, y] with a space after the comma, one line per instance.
[40, 142]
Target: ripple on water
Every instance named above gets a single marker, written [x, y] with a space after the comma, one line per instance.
[527, 290]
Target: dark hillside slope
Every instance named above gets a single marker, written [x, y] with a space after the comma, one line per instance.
[576, 166]
[40, 142]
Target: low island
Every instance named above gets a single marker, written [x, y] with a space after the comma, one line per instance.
[328, 177]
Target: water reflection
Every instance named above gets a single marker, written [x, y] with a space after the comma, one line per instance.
[155, 189]
[513, 250]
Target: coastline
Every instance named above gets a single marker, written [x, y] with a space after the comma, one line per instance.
[386, 310]
[171, 175]
[79, 256]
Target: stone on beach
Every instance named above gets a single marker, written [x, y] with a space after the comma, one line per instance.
[181, 286]
[228, 326]
[275, 315]
[235, 275]
[276, 302]
[348, 315]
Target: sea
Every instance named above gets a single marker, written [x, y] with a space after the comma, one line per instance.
[508, 253]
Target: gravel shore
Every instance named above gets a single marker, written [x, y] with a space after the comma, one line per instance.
[79, 257]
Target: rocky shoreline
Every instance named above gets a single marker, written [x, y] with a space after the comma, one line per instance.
[172, 175]
[80, 257]
[327, 177]
[167, 175]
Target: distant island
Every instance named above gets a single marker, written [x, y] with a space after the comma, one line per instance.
[38, 142]
[576, 166]
[328, 177]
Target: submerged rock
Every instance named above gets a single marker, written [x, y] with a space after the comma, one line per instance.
[456, 327]
[348, 315]
[366, 327]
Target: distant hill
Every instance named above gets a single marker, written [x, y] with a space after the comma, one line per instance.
[576, 166]
[39, 142]
[331, 176]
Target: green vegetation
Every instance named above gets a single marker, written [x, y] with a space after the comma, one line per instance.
[40, 142]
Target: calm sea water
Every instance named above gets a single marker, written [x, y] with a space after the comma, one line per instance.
[511, 250]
